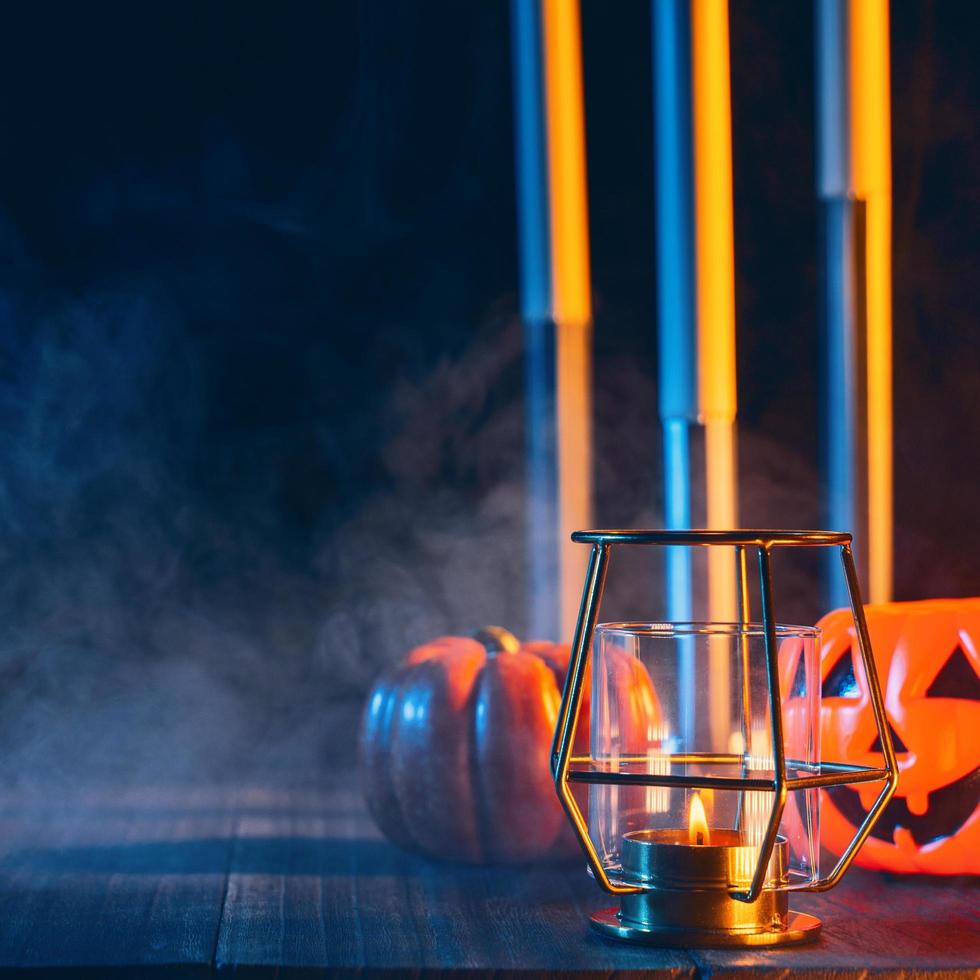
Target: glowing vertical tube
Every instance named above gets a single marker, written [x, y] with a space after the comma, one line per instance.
[840, 374]
[715, 265]
[696, 305]
[715, 252]
[854, 190]
[676, 314]
[870, 147]
[534, 247]
[556, 302]
[570, 292]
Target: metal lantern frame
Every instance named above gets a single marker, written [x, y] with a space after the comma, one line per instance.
[830, 773]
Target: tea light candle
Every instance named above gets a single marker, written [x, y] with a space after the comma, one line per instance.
[687, 876]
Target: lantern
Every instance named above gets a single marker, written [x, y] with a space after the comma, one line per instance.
[703, 823]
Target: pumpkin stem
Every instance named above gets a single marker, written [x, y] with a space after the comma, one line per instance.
[497, 640]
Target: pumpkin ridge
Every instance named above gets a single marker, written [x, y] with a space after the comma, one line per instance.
[378, 725]
[519, 702]
[431, 806]
[484, 828]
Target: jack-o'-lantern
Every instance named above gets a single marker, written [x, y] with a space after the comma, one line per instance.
[456, 745]
[928, 659]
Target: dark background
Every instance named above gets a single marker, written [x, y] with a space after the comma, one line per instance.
[260, 378]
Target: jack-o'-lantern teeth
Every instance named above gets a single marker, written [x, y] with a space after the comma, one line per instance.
[918, 803]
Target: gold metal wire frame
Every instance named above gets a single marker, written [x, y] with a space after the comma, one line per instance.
[829, 774]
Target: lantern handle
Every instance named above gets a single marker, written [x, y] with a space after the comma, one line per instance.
[881, 723]
[776, 723]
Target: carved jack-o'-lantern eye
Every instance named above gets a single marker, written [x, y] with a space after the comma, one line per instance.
[957, 679]
[840, 682]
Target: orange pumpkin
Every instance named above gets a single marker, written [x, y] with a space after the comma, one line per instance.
[928, 663]
[456, 744]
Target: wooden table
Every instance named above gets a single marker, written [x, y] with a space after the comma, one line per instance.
[290, 881]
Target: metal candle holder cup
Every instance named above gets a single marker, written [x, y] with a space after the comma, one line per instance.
[685, 899]
[730, 885]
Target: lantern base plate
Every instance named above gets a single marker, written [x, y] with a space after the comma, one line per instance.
[800, 928]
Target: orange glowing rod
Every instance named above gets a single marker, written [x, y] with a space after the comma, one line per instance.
[556, 307]
[715, 278]
[854, 187]
[570, 291]
[870, 160]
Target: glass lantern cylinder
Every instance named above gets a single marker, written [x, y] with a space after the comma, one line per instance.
[644, 721]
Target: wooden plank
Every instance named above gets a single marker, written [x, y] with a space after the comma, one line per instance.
[137, 883]
[320, 894]
[323, 895]
[906, 927]
[128, 880]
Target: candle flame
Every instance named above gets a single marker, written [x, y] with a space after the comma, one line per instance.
[697, 824]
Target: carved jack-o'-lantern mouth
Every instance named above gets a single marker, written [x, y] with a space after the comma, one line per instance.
[949, 808]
